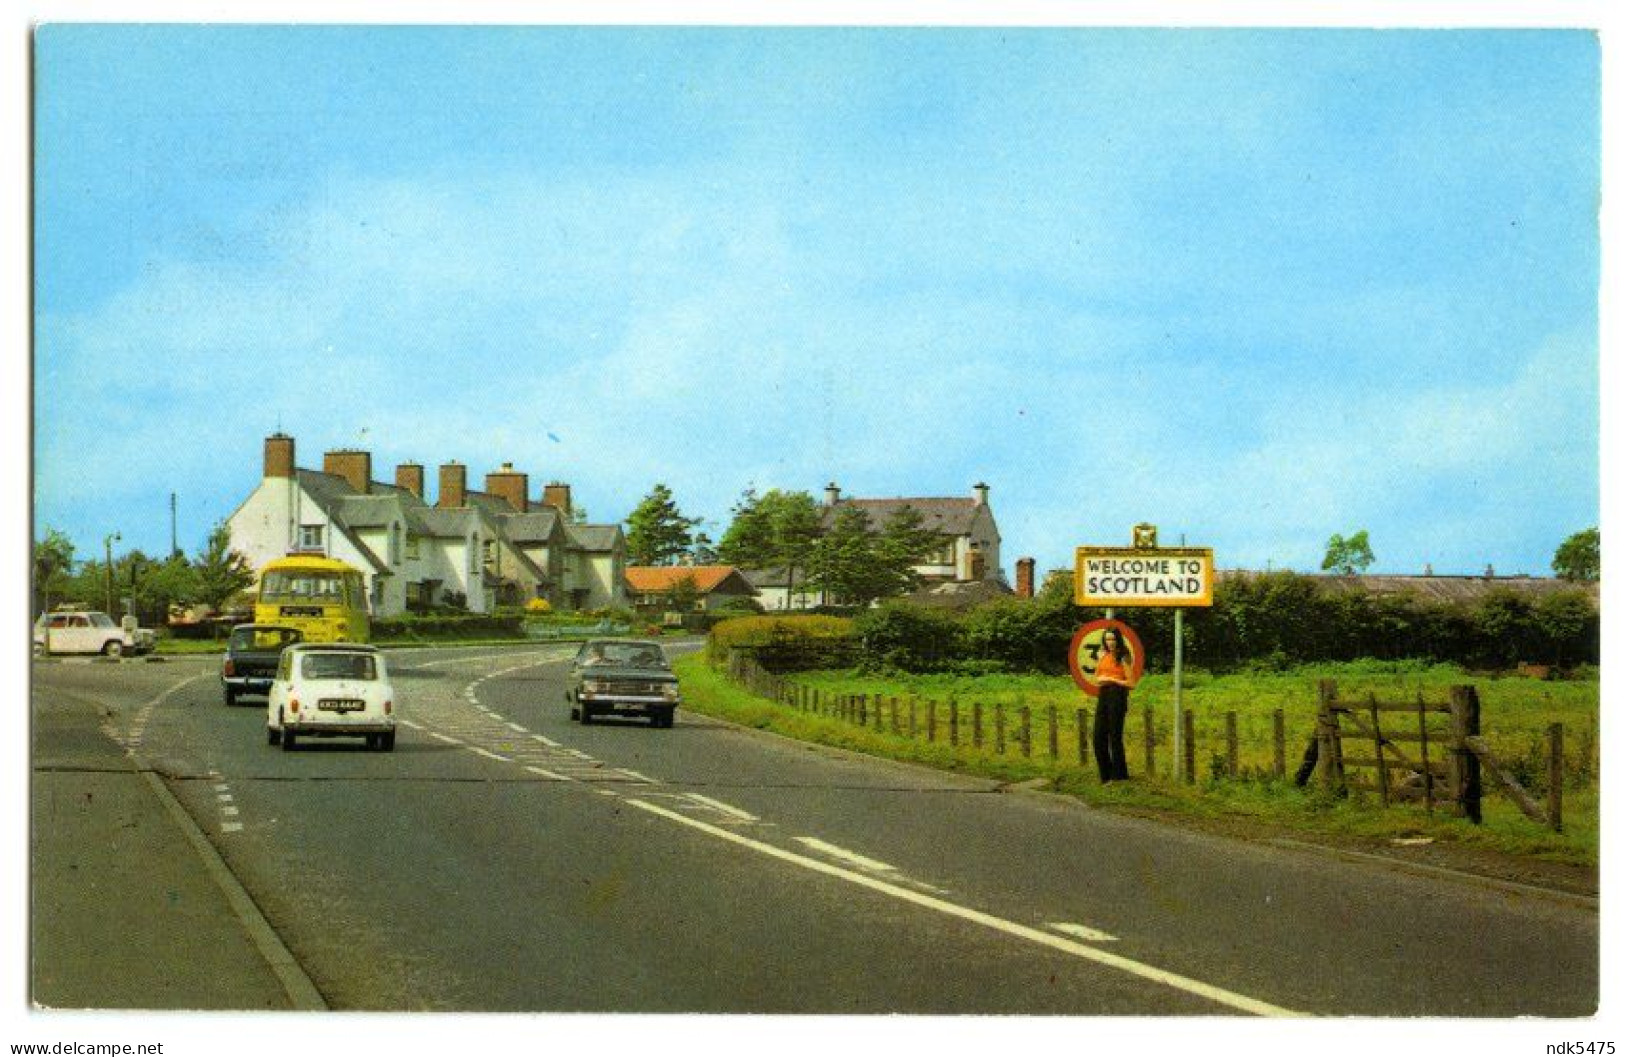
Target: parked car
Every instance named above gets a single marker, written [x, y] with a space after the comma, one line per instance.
[622, 677]
[331, 689]
[87, 631]
[252, 654]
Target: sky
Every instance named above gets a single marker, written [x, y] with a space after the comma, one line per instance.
[1257, 287]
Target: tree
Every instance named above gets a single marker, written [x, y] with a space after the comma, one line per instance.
[1580, 556]
[657, 533]
[901, 546]
[1348, 556]
[221, 571]
[774, 529]
[683, 595]
[702, 551]
[53, 563]
[857, 565]
[164, 584]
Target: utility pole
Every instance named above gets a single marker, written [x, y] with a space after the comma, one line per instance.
[174, 546]
[107, 551]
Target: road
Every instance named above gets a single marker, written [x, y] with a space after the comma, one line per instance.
[504, 858]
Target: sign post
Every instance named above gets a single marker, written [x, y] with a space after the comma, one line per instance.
[1148, 575]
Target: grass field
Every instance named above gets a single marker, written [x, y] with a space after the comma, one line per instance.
[1515, 715]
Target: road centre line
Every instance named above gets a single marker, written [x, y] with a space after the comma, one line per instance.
[1176, 981]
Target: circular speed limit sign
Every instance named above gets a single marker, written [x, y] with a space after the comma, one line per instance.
[1085, 653]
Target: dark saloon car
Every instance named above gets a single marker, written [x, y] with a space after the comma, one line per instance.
[252, 656]
[622, 677]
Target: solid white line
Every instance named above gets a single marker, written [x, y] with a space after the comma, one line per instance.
[549, 774]
[1082, 932]
[442, 737]
[836, 852]
[1011, 928]
[728, 809]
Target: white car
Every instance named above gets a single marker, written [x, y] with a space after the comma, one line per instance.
[331, 689]
[81, 631]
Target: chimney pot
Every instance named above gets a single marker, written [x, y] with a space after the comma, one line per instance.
[832, 494]
[557, 494]
[510, 486]
[1024, 577]
[409, 475]
[352, 465]
[279, 455]
[979, 490]
[453, 486]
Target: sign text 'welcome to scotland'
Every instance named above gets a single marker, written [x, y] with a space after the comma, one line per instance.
[1133, 576]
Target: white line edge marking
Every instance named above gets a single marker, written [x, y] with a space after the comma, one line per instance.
[546, 741]
[728, 809]
[640, 777]
[835, 851]
[515, 726]
[489, 754]
[549, 774]
[1082, 932]
[409, 723]
[1012, 928]
[442, 737]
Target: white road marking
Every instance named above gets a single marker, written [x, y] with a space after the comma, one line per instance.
[409, 723]
[836, 852]
[515, 726]
[1082, 932]
[1011, 928]
[488, 753]
[224, 798]
[546, 741]
[231, 827]
[442, 737]
[228, 811]
[221, 787]
[639, 777]
[548, 774]
[727, 809]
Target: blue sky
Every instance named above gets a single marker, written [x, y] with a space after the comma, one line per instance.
[1257, 287]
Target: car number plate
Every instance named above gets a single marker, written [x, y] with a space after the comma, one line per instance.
[341, 705]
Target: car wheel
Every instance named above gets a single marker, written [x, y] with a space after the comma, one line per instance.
[231, 697]
[386, 741]
[273, 736]
[663, 718]
[114, 649]
[287, 741]
[586, 714]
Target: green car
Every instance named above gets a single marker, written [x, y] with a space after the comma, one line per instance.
[622, 677]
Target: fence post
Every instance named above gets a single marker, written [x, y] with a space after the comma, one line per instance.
[1054, 735]
[1554, 779]
[1189, 762]
[976, 724]
[1026, 732]
[1083, 737]
[1464, 770]
[1382, 755]
[913, 718]
[953, 722]
[1150, 741]
[998, 727]
[1326, 734]
[1427, 763]
[1280, 744]
[891, 705]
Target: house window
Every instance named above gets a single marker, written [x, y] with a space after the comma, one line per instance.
[395, 543]
[943, 555]
[488, 553]
[310, 537]
[411, 546]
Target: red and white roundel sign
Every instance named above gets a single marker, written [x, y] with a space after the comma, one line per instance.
[1085, 653]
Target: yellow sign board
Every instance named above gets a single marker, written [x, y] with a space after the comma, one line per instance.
[1143, 576]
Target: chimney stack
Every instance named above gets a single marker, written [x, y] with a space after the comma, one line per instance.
[1024, 577]
[979, 490]
[453, 486]
[279, 455]
[510, 485]
[409, 475]
[354, 466]
[557, 494]
[832, 494]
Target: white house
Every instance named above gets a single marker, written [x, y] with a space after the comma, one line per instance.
[491, 547]
[969, 552]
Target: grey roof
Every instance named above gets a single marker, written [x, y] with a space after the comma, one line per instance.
[777, 576]
[949, 515]
[439, 522]
[603, 538]
[369, 511]
[959, 594]
[329, 491]
[538, 527]
[488, 503]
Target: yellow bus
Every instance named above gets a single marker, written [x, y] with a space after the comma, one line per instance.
[322, 597]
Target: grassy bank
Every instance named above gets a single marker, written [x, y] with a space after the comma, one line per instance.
[1515, 715]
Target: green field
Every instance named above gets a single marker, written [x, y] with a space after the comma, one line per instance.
[1516, 713]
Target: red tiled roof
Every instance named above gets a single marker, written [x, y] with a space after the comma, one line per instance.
[647, 579]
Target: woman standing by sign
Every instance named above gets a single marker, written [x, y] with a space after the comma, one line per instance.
[1114, 673]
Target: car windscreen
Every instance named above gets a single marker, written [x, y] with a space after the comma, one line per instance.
[302, 586]
[263, 638]
[102, 620]
[624, 654]
[338, 666]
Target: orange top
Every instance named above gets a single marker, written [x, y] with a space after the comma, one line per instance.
[1111, 670]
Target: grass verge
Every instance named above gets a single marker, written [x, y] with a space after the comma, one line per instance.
[1255, 802]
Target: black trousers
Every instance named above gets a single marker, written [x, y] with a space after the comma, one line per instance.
[1109, 717]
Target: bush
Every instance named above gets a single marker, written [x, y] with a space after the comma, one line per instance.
[785, 643]
[449, 626]
[900, 635]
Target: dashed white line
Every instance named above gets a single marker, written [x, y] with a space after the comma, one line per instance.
[548, 774]
[852, 857]
[489, 754]
[515, 726]
[442, 737]
[1082, 932]
[546, 741]
[727, 809]
[1186, 984]
[640, 777]
[228, 811]
[231, 827]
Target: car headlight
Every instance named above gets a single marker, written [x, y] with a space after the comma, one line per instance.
[669, 691]
[595, 686]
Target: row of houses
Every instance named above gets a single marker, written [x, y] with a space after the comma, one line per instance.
[500, 546]
[477, 548]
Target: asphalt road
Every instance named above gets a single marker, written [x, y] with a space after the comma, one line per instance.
[504, 858]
